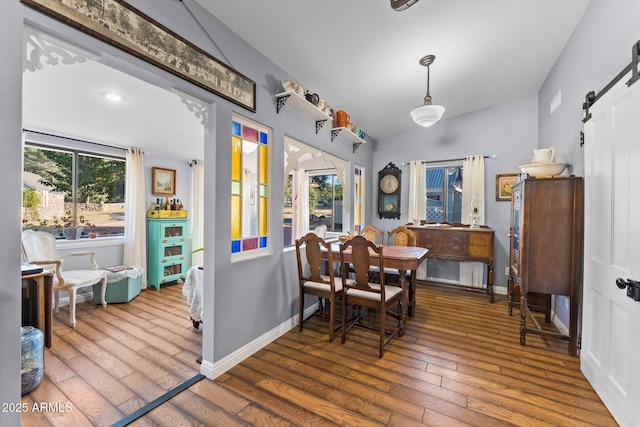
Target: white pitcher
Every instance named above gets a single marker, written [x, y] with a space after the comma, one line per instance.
[543, 155]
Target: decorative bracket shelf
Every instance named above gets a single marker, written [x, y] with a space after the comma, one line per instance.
[301, 104]
[352, 137]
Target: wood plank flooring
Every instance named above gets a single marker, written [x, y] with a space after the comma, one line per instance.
[459, 364]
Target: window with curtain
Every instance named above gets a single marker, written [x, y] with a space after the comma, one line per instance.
[444, 193]
[65, 188]
[249, 188]
[314, 191]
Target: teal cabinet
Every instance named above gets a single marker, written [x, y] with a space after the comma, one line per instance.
[166, 251]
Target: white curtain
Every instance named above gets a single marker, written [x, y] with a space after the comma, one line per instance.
[472, 273]
[197, 210]
[417, 190]
[417, 200]
[135, 232]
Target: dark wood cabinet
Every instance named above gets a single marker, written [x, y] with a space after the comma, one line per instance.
[546, 250]
[458, 243]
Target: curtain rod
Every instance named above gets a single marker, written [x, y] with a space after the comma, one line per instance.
[493, 156]
[84, 141]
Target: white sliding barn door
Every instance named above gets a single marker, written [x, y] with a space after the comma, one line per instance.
[610, 355]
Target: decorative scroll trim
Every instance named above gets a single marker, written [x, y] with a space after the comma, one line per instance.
[42, 49]
[295, 150]
[199, 109]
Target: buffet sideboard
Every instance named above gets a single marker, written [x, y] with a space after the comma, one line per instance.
[458, 243]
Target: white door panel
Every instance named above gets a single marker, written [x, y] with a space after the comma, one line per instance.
[610, 353]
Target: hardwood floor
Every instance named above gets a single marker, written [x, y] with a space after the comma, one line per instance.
[460, 363]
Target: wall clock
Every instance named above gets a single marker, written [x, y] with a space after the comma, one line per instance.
[389, 186]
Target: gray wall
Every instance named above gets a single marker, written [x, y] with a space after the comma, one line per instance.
[597, 51]
[11, 167]
[508, 130]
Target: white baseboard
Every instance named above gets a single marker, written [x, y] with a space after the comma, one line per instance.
[80, 297]
[562, 328]
[213, 370]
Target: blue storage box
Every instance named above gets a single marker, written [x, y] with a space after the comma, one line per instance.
[122, 286]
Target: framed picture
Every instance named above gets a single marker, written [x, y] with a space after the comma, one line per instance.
[164, 182]
[504, 182]
[121, 25]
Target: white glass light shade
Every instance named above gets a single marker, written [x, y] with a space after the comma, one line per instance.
[426, 115]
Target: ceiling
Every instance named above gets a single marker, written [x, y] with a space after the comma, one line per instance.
[359, 55]
[362, 56]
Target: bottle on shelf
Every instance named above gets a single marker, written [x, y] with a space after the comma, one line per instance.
[157, 204]
[174, 206]
[167, 205]
[179, 205]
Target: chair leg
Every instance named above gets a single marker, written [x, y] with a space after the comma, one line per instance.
[56, 301]
[332, 318]
[72, 306]
[104, 290]
[383, 317]
[301, 312]
[344, 316]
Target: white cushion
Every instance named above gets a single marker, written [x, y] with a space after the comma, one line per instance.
[389, 292]
[325, 286]
[81, 278]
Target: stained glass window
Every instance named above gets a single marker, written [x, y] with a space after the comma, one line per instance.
[249, 188]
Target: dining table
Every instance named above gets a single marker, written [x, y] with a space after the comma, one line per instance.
[403, 259]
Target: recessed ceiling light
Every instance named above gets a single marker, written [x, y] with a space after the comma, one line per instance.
[112, 96]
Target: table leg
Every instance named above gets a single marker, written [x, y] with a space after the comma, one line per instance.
[48, 295]
[490, 282]
[402, 281]
[412, 294]
[40, 292]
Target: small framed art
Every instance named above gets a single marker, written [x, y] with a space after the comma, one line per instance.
[504, 182]
[164, 182]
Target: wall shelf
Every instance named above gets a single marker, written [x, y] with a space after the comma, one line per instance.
[348, 135]
[300, 103]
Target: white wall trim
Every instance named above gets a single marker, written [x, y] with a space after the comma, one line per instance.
[562, 328]
[80, 297]
[500, 290]
[214, 370]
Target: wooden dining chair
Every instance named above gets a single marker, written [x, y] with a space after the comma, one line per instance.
[327, 287]
[376, 236]
[372, 234]
[399, 236]
[363, 293]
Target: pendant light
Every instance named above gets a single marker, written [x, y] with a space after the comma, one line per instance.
[399, 5]
[427, 114]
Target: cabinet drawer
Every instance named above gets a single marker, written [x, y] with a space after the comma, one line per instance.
[480, 245]
[169, 251]
[171, 230]
[172, 272]
[446, 242]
